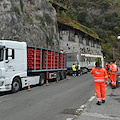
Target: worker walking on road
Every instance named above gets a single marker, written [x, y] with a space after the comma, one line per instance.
[113, 70]
[100, 79]
[74, 70]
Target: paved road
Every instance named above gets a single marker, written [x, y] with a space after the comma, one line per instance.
[47, 102]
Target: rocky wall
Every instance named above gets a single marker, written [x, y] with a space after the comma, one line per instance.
[32, 21]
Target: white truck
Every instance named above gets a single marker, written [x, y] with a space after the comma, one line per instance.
[21, 66]
[86, 61]
[90, 60]
[76, 58]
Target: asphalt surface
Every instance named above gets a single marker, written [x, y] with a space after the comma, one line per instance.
[58, 101]
[110, 110]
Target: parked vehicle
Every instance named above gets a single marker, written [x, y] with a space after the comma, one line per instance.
[90, 60]
[21, 66]
[86, 61]
[75, 57]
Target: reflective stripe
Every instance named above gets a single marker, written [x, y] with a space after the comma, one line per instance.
[98, 99]
[103, 98]
[113, 82]
[106, 76]
[99, 80]
[100, 77]
[113, 72]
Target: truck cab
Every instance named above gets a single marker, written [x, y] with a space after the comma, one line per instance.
[13, 63]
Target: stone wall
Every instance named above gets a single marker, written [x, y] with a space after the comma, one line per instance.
[32, 21]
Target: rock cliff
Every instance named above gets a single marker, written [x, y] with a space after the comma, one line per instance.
[32, 21]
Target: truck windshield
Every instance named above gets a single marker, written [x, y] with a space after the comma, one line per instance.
[1, 54]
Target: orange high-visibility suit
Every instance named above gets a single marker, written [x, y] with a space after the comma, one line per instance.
[113, 70]
[108, 70]
[100, 76]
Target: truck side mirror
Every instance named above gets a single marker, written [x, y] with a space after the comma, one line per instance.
[9, 58]
[9, 52]
[9, 55]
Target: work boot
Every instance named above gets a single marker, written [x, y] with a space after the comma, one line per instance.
[98, 103]
[113, 87]
[103, 101]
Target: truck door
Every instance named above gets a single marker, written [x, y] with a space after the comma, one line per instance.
[9, 61]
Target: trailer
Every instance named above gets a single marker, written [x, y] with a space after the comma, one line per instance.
[21, 65]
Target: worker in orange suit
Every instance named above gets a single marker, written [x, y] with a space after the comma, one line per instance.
[113, 70]
[107, 67]
[100, 79]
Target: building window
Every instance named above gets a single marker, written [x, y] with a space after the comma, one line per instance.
[87, 42]
[81, 41]
[92, 43]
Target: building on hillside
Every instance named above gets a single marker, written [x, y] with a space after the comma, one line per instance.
[75, 37]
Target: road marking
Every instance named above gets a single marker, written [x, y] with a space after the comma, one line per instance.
[101, 116]
[82, 107]
[69, 119]
[91, 98]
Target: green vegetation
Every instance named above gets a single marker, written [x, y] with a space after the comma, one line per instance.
[102, 16]
[77, 25]
[98, 59]
[21, 5]
[49, 40]
[48, 18]
[28, 20]
[37, 17]
[17, 10]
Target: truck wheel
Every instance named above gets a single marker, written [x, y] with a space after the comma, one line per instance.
[64, 73]
[16, 85]
[42, 79]
[61, 75]
[58, 76]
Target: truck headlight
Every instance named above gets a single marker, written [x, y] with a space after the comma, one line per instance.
[1, 83]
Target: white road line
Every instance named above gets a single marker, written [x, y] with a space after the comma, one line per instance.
[82, 107]
[91, 98]
[106, 116]
[69, 119]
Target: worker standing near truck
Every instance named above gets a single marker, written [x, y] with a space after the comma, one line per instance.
[113, 70]
[74, 70]
[78, 69]
[100, 78]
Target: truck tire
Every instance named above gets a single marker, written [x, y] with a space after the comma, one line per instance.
[64, 73]
[16, 85]
[42, 79]
[58, 76]
[61, 75]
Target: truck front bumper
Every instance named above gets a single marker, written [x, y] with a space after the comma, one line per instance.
[4, 86]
